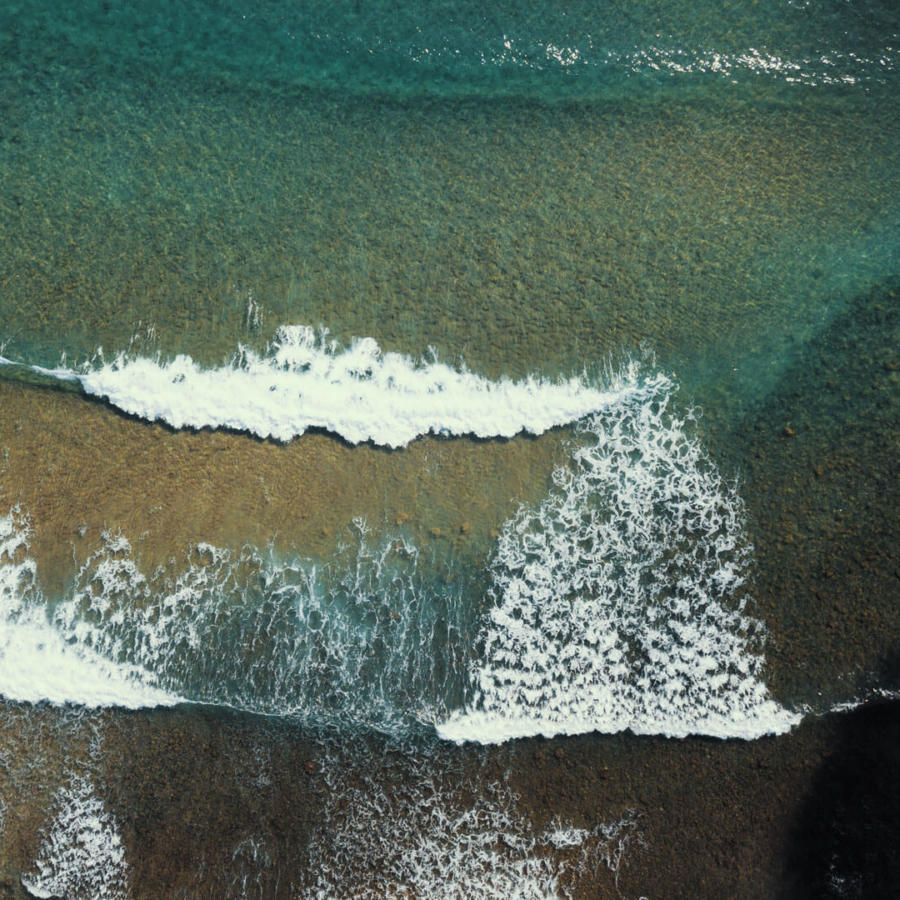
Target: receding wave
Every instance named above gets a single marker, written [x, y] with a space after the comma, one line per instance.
[364, 640]
[360, 393]
[81, 854]
[423, 832]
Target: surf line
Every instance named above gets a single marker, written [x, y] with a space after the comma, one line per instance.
[360, 393]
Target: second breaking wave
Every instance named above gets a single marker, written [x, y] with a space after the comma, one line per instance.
[620, 601]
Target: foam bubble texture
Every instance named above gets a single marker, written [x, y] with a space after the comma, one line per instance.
[360, 393]
[619, 601]
[360, 641]
[37, 660]
[416, 833]
[81, 854]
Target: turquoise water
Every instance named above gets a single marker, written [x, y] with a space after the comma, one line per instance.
[540, 51]
[165, 168]
[606, 436]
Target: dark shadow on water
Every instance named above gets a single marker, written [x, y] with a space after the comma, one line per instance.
[819, 466]
[846, 839]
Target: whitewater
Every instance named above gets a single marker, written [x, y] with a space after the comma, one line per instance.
[620, 601]
[305, 381]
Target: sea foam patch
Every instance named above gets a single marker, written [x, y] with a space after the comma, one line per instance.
[619, 602]
[419, 831]
[38, 660]
[362, 394]
[363, 640]
[81, 854]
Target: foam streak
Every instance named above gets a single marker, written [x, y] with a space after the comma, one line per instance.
[81, 854]
[37, 661]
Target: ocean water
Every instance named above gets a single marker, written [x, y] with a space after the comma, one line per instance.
[396, 388]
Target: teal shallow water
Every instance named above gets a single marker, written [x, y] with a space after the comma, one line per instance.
[539, 50]
[166, 169]
[720, 236]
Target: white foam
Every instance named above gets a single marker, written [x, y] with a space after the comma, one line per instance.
[360, 393]
[251, 871]
[619, 601]
[416, 833]
[872, 695]
[81, 854]
[564, 837]
[38, 661]
[358, 642]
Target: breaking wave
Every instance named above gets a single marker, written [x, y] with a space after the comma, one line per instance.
[359, 641]
[362, 394]
[621, 601]
[38, 660]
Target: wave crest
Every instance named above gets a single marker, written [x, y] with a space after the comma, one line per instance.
[304, 380]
